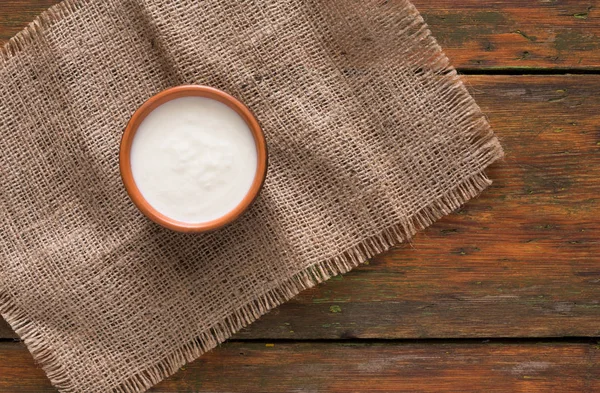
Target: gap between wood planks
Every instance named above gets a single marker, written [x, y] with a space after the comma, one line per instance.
[431, 341]
[527, 71]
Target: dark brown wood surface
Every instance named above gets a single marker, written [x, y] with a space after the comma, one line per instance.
[504, 34]
[522, 260]
[359, 367]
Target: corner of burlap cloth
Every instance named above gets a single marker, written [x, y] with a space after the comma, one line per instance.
[372, 137]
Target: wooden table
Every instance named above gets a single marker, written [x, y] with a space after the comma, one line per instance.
[501, 296]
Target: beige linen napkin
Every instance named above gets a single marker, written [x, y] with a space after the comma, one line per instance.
[372, 136]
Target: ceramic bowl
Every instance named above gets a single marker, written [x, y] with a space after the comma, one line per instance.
[186, 91]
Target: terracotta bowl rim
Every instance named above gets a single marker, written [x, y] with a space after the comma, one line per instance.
[189, 91]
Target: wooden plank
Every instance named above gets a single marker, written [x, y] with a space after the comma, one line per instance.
[497, 34]
[516, 33]
[521, 260]
[337, 368]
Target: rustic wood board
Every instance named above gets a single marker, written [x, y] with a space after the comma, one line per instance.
[492, 35]
[521, 260]
[365, 367]
[504, 34]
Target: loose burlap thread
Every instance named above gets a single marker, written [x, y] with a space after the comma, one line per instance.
[372, 136]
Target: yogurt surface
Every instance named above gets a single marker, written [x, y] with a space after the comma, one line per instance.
[193, 159]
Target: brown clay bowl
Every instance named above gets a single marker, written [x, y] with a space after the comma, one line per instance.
[153, 103]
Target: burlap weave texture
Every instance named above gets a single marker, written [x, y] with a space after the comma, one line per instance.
[372, 136]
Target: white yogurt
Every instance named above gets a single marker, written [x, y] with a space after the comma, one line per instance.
[193, 159]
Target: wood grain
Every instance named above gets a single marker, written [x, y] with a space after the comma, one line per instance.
[505, 34]
[523, 259]
[475, 35]
[368, 367]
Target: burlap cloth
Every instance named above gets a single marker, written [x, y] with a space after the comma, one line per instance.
[372, 136]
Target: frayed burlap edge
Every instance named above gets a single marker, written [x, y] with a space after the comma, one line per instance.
[305, 279]
[244, 316]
